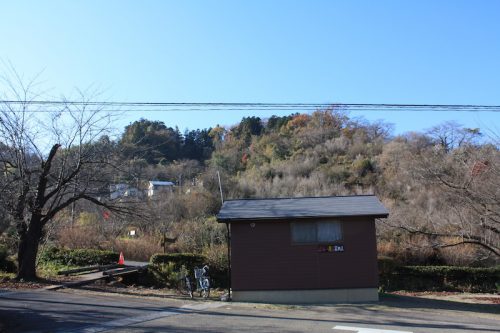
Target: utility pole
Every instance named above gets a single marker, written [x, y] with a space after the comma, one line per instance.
[228, 227]
[220, 187]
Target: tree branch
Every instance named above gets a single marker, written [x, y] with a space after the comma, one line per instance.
[475, 242]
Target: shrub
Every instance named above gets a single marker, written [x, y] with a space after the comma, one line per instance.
[78, 257]
[386, 265]
[216, 257]
[165, 268]
[83, 237]
[437, 278]
[362, 166]
[6, 264]
[190, 260]
[162, 275]
[139, 249]
[337, 174]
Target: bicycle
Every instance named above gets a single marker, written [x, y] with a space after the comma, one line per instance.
[185, 286]
[201, 275]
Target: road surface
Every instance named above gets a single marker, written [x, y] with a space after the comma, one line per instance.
[88, 311]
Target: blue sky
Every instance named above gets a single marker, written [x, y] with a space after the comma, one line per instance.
[440, 52]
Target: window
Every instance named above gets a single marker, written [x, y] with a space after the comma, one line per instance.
[316, 232]
[304, 232]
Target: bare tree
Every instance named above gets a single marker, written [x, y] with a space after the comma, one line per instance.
[459, 203]
[50, 159]
[447, 191]
[451, 134]
[469, 180]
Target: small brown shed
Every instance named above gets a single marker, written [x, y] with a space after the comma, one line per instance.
[303, 250]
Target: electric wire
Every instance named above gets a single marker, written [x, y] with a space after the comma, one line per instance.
[115, 106]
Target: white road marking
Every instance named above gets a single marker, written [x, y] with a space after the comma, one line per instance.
[366, 330]
[140, 319]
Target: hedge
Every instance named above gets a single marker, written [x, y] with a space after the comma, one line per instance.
[78, 257]
[438, 278]
[392, 275]
[189, 260]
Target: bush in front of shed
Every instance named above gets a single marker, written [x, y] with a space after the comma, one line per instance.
[216, 258]
[164, 267]
[189, 260]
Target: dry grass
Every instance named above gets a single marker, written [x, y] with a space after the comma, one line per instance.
[419, 251]
[140, 249]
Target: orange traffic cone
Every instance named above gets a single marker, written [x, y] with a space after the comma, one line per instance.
[121, 261]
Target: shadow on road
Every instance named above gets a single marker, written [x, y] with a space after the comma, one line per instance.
[263, 322]
[13, 320]
[411, 302]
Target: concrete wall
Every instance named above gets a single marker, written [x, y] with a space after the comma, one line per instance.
[359, 295]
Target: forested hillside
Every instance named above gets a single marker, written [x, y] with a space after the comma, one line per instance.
[442, 187]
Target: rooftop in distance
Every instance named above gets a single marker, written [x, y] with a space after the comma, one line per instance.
[160, 183]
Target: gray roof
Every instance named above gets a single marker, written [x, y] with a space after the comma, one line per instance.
[306, 207]
[160, 183]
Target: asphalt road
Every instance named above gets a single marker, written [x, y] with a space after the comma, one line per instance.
[85, 311]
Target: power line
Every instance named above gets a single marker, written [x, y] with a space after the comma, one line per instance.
[65, 106]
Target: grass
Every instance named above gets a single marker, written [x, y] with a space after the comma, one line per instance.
[49, 270]
[44, 271]
[6, 275]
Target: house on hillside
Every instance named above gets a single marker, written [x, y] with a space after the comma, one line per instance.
[303, 250]
[156, 187]
[123, 190]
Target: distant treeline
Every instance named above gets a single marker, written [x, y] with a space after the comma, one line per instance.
[156, 143]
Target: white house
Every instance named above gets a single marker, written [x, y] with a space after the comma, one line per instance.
[123, 190]
[155, 187]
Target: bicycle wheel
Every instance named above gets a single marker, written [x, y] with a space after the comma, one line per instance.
[206, 288]
[189, 288]
[185, 288]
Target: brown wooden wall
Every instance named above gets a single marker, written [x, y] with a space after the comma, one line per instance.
[263, 258]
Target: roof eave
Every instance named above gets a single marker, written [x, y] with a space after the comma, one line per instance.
[239, 219]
